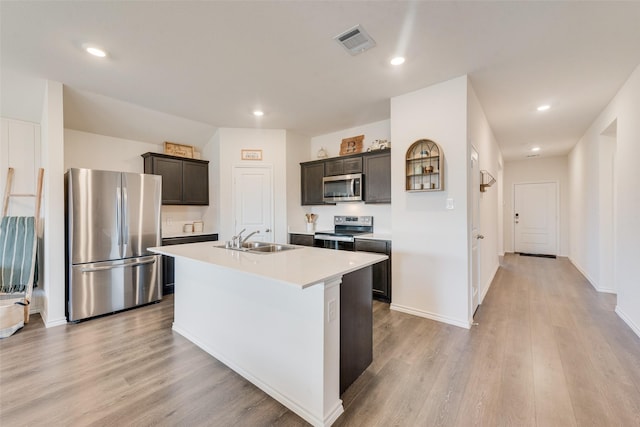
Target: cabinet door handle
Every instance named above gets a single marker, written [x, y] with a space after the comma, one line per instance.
[268, 230]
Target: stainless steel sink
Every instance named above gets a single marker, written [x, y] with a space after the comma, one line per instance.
[272, 248]
[261, 247]
[254, 245]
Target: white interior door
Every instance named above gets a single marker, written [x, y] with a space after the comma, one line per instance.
[535, 218]
[475, 227]
[253, 202]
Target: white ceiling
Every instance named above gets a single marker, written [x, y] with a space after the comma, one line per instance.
[212, 63]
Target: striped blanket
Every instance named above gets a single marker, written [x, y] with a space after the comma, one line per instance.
[17, 248]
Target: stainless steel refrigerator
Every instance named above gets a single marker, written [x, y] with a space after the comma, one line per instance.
[111, 220]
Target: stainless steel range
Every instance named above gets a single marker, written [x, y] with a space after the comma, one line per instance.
[345, 228]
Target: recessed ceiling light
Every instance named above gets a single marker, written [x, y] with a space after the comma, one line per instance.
[544, 107]
[258, 113]
[94, 50]
[535, 149]
[398, 60]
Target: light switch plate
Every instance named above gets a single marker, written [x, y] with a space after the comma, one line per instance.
[332, 310]
[450, 204]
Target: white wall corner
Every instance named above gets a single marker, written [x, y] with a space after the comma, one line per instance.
[52, 153]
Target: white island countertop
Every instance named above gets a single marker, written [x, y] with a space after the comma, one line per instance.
[301, 267]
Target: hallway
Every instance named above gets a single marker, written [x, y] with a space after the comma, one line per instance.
[548, 351]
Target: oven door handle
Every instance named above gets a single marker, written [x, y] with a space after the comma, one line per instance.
[333, 238]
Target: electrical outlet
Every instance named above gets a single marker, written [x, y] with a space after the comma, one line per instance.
[450, 204]
[332, 310]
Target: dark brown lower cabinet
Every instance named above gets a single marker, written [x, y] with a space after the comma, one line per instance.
[168, 266]
[381, 270]
[356, 325]
[301, 239]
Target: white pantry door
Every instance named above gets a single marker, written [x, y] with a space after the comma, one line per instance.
[535, 218]
[253, 201]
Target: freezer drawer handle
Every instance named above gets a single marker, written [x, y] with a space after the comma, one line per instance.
[133, 264]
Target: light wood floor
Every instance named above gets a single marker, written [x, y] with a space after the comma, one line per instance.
[548, 351]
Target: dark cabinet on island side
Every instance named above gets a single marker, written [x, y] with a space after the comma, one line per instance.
[168, 265]
[381, 270]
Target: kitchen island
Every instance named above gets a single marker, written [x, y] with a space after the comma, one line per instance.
[278, 318]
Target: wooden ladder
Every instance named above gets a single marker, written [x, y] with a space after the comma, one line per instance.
[5, 209]
[8, 194]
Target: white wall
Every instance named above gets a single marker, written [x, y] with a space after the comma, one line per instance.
[587, 228]
[480, 136]
[430, 243]
[22, 96]
[211, 216]
[272, 142]
[20, 149]
[532, 170]
[331, 143]
[54, 241]
[297, 152]
[92, 151]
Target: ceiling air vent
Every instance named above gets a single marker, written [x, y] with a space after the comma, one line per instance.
[355, 40]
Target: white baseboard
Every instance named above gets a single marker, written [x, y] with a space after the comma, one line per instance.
[635, 328]
[590, 280]
[53, 322]
[432, 316]
[584, 273]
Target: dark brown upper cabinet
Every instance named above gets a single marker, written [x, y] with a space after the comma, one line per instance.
[343, 166]
[311, 174]
[184, 181]
[377, 177]
[374, 165]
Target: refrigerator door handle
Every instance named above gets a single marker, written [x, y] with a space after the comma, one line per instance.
[125, 216]
[109, 267]
[119, 215]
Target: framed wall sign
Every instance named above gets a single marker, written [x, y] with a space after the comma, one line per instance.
[180, 150]
[251, 155]
[351, 145]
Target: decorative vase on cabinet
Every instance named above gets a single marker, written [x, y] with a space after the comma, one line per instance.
[424, 166]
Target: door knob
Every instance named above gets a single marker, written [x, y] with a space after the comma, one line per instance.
[479, 237]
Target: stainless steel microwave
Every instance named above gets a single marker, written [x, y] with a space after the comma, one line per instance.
[342, 188]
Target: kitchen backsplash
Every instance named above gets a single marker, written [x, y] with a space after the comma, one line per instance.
[175, 217]
[381, 216]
